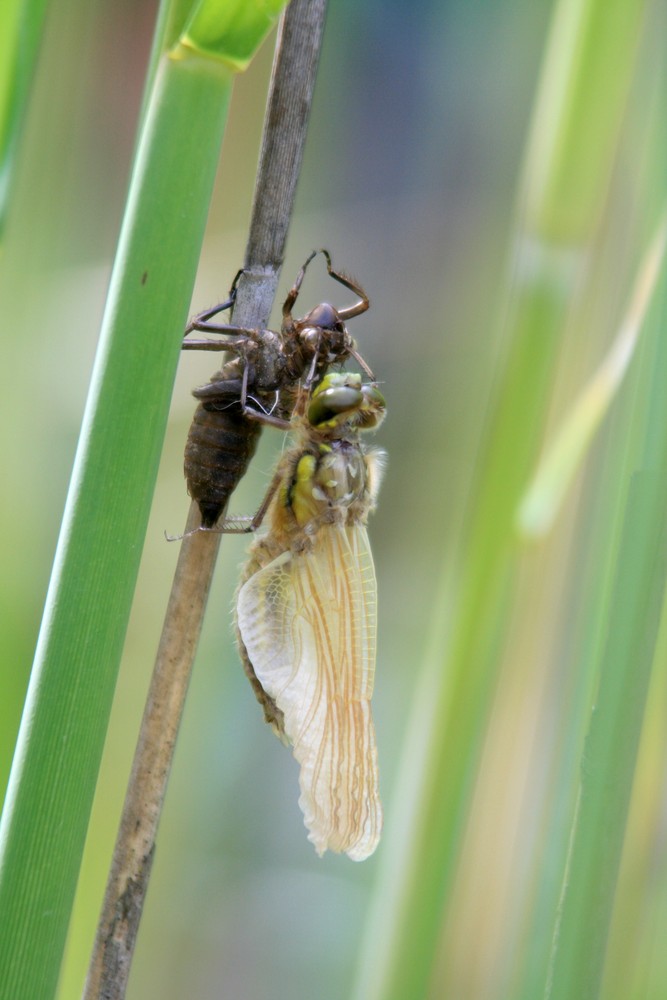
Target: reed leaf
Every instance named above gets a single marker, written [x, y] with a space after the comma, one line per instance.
[62, 733]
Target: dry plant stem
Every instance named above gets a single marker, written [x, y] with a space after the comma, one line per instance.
[286, 120]
[288, 109]
[135, 845]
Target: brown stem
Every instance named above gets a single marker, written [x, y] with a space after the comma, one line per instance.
[290, 97]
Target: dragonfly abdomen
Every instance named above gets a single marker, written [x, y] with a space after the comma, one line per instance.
[220, 445]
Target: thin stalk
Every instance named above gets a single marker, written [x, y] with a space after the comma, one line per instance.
[290, 98]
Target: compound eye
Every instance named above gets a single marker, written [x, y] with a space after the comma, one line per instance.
[330, 405]
[374, 397]
[311, 337]
[325, 316]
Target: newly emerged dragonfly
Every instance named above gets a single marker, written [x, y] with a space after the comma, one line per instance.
[306, 611]
[258, 386]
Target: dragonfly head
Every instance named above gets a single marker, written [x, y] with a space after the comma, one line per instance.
[322, 332]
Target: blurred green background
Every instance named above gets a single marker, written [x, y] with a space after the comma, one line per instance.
[410, 177]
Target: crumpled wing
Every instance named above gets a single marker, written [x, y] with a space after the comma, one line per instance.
[308, 622]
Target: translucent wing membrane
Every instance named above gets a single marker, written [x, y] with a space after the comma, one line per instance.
[308, 622]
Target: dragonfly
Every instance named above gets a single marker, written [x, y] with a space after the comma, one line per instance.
[258, 386]
[307, 607]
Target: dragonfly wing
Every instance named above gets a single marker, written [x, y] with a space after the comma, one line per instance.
[308, 622]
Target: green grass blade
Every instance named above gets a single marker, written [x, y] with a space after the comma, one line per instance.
[69, 699]
[230, 30]
[611, 747]
[587, 72]
[632, 439]
[589, 45]
[60, 743]
[21, 33]
[629, 506]
[563, 457]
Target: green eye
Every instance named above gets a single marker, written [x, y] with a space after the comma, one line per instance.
[373, 396]
[329, 404]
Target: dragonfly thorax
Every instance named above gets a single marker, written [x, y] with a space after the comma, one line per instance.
[328, 482]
